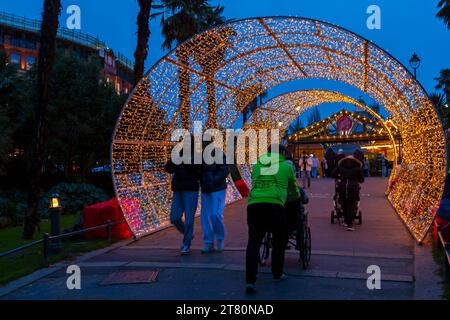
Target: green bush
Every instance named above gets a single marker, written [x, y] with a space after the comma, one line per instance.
[12, 209]
[74, 197]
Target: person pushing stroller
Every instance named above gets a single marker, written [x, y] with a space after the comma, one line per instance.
[348, 175]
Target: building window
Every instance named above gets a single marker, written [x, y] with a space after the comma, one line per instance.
[14, 58]
[30, 62]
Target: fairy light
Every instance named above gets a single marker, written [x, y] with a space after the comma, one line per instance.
[215, 75]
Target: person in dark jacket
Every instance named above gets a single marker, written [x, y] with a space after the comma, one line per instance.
[213, 184]
[330, 157]
[185, 187]
[349, 175]
[358, 154]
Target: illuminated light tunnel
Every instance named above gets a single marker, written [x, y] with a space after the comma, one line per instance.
[284, 109]
[213, 76]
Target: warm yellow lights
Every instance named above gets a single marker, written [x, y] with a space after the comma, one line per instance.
[214, 76]
[55, 201]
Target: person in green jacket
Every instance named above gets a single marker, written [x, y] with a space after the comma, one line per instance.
[272, 180]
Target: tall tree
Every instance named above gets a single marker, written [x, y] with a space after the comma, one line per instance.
[295, 126]
[210, 54]
[46, 59]
[444, 82]
[83, 112]
[181, 20]
[143, 35]
[444, 12]
[442, 107]
[11, 105]
[314, 116]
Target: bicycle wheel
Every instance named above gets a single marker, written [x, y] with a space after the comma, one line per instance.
[264, 249]
[307, 249]
[305, 246]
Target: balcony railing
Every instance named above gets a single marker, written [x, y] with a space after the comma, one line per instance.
[34, 25]
[124, 60]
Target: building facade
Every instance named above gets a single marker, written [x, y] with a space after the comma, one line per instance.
[19, 38]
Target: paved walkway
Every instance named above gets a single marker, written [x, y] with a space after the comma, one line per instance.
[338, 265]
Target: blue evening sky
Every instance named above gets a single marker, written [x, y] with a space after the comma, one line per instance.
[407, 26]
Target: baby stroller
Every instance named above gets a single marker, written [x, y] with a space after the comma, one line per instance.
[337, 213]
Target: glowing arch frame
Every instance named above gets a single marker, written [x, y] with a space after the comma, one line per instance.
[244, 58]
[285, 108]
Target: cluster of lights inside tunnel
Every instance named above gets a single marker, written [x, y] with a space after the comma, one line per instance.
[215, 75]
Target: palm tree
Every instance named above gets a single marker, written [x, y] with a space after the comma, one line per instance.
[46, 59]
[444, 82]
[444, 12]
[143, 34]
[209, 57]
[442, 107]
[181, 20]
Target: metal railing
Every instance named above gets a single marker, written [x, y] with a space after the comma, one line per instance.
[124, 60]
[47, 239]
[442, 243]
[34, 25]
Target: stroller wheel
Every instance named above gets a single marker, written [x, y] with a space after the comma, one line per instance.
[332, 217]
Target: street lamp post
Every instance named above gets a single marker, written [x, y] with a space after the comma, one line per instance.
[414, 62]
[55, 219]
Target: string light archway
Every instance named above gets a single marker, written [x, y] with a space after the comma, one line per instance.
[282, 110]
[214, 75]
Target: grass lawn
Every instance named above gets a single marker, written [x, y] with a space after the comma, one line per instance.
[24, 262]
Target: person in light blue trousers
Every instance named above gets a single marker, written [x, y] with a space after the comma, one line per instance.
[185, 187]
[213, 185]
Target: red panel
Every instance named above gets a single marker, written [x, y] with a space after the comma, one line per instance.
[100, 213]
[242, 187]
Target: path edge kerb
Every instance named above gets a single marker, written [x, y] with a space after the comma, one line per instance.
[44, 272]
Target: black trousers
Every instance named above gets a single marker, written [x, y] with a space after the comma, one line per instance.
[262, 218]
[349, 208]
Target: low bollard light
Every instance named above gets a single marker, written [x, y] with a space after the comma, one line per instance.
[55, 222]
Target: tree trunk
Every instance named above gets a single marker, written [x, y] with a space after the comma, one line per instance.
[184, 87]
[143, 34]
[211, 99]
[46, 59]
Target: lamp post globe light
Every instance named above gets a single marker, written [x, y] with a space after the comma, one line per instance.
[414, 62]
[55, 219]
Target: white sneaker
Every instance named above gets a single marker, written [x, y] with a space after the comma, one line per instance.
[283, 276]
[350, 229]
[185, 251]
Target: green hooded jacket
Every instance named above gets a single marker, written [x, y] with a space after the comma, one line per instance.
[272, 179]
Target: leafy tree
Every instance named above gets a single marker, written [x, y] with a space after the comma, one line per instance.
[442, 108]
[314, 116]
[82, 115]
[143, 35]
[444, 12]
[295, 126]
[46, 59]
[11, 97]
[181, 20]
[375, 107]
[444, 82]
